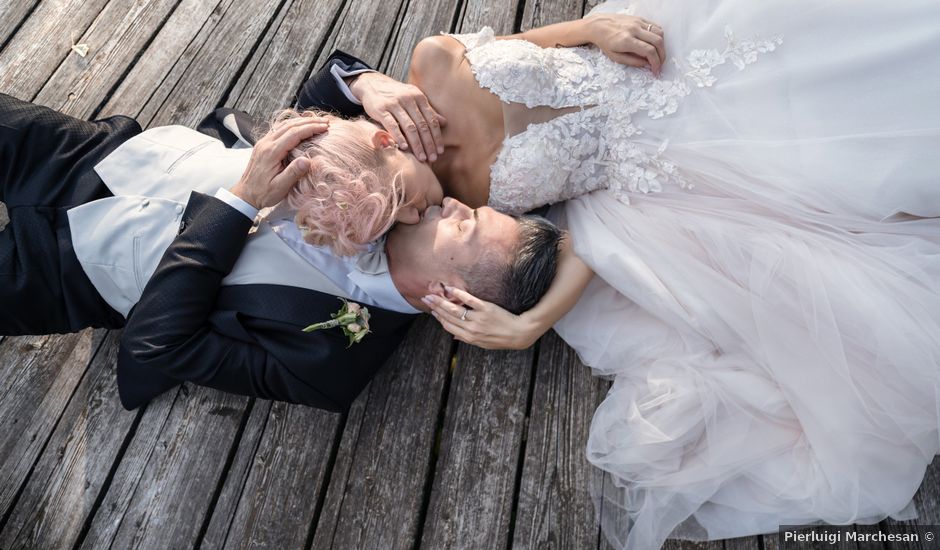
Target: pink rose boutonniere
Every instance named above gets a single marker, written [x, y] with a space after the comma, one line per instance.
[352, 318]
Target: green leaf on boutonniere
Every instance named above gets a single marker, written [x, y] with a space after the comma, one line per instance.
[352, 318]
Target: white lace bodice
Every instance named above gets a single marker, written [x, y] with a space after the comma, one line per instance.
[596, 145]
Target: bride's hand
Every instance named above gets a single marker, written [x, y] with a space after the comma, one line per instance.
[485, 325]
[628, 40]
[404, 111]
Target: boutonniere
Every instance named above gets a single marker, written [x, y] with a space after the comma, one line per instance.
[352, 318]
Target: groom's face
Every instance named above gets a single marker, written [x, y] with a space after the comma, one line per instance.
[454, 235]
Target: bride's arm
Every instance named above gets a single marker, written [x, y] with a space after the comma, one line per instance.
[492, 327]
[626, 39]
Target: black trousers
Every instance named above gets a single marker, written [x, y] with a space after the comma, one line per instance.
[47, 164]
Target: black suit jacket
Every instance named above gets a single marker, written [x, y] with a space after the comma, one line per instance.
[245, 339]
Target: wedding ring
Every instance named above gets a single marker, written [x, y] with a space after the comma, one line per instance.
[466, 311]
[649, 27]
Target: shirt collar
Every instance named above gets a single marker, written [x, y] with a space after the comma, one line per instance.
[372, 276]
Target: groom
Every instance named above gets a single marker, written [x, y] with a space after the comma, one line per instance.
[111, 227]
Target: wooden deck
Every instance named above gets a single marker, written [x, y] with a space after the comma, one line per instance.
[450, 447]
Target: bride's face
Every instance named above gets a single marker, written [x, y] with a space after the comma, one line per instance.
[421, 187]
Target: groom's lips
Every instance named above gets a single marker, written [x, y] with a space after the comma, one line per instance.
[429, 211]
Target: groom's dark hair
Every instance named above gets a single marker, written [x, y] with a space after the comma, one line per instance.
[518, 283]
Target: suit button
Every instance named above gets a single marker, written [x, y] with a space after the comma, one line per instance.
[144, 203]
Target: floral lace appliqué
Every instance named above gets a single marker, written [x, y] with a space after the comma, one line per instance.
[600, 146]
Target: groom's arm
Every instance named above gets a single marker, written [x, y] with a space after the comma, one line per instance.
[328, 89]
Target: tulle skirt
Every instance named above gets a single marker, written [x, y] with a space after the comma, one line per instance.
[773, 334]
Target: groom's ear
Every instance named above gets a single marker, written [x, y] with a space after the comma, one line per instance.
[437, 288]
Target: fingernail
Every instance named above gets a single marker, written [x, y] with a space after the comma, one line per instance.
[449, 289]
[433, 157]
[440, 149]
[422, 157]
[429, 299]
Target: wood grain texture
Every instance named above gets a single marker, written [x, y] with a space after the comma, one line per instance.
[12, 14]
[281, 62]
[554, 506]
[79, 85]
[214, 67]
[71, 472]
[233, 488]
[278, 500]
[163, 487]
[498, 14]
[44, 40]
[37, 377]
[474, 483]
[538, 13]
[377, 487]
[363, 29]
[927, 501]
[742, 543]
[423, 18]
[160, 65]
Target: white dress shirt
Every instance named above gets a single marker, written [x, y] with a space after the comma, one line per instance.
[362, 278]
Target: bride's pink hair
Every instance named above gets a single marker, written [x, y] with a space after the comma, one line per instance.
[351, 195]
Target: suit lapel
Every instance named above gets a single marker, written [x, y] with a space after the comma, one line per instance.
[300, 306]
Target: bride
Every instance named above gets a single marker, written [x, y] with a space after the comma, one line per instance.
[760, 205]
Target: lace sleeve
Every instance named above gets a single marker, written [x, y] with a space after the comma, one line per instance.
[475, 39]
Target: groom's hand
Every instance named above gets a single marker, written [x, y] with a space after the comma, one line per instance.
[404, 111]
[266, 181]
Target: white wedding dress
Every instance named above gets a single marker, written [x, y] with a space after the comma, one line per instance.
[763, 221]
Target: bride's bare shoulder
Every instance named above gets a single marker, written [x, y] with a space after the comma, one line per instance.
[435, 56]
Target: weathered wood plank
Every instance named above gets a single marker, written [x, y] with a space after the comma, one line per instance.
[538, 13]
[278, 501]
[41, 44]
[281, 63]
[927, 501]
[377, 486]
[204, 424]
[237, 476]
[773, 542]
[423, 18]
[116, 38]
[499, 14]
[12, 13]
[216, 65]
[743, 543]
[554, 505]
[473, 489]
[167, 56]
[70, 474]
[38, 375]
[163, 487]
[363, 30]
[474, 484]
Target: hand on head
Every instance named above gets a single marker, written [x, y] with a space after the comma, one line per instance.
[266, 181]
[358, 186]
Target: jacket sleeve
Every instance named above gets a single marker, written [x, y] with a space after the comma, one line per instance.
[169, 329]
[324, 91]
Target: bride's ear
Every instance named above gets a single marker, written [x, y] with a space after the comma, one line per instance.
[382, 140]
